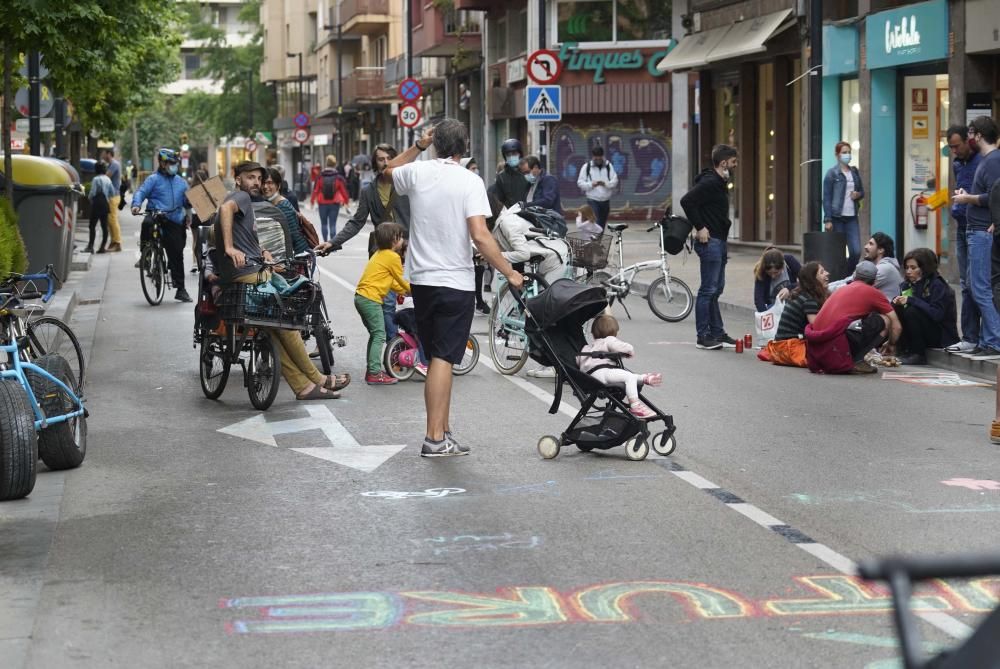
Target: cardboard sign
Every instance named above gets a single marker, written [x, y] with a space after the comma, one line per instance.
[207, 196]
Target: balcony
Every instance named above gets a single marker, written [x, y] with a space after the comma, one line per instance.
[363, 17]
[447, 32]
[362, 85]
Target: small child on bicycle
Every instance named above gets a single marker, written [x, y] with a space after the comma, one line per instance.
[383, 273]
[605, 331]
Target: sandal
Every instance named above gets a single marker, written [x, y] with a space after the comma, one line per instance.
[340, 381]
[319, 393]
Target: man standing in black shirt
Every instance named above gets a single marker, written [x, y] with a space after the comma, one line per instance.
[707, 208]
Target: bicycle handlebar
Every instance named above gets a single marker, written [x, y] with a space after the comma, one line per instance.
[47, 276]
[926, 568]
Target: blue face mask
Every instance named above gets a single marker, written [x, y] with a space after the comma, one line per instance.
[513, 160]
[172, 168]
[530, 178]
[845, 158]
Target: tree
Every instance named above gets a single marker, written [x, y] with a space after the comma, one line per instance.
[105, 56]
[165, 120]
[228, 114]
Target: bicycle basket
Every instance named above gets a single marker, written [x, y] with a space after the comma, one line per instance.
[252, 305]
[589, 251]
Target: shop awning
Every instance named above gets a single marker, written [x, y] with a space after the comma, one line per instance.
[693, 50]
[750, 36]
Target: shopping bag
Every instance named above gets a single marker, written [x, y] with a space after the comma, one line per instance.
[766, 322]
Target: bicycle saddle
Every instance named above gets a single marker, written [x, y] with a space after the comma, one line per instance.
[536, 258]
[617, 227]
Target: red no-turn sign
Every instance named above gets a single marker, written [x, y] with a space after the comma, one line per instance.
[544, 67]
[409, 115]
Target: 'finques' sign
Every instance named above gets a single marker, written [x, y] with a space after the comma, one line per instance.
[910, 34]
[600, 61]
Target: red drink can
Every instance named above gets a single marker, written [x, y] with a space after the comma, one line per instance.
[739, 345]
[748, 341]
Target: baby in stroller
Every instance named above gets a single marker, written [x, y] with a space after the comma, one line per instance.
[605, 330]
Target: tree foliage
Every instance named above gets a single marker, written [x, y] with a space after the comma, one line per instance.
[228, 114]
[163, 122]
[104, 56]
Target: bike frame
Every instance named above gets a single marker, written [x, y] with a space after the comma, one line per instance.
[41, 420]
[625, 275]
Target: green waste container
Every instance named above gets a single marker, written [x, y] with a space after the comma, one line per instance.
[45, 198]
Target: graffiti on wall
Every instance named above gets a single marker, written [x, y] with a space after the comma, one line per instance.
[612, 602]
[640, 156]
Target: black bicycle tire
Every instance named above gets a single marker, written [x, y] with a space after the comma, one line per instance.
[213, 393]
[523, 360]
[58, 447]
[38, 350]
[164, 274]
[458, 370]
[18, 442]
[263, 403]
[661, 315]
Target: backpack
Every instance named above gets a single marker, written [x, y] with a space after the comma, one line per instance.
[329, 185]
[607, 167]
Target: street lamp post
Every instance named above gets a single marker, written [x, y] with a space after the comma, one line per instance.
[293, 55]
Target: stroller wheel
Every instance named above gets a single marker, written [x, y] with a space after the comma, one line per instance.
[548, 447]
[664, 445]
[637, 448]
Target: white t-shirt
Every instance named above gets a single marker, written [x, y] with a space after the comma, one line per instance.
[848, 209]
[443, 195]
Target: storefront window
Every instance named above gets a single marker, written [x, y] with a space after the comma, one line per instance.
[613, 20]
[727, 109]
[766, 154]
[850, 121]
[798, 222]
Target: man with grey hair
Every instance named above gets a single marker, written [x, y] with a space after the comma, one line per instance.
[448, 211]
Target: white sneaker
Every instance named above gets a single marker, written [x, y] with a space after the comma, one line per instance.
[961, 347]
[542, 373]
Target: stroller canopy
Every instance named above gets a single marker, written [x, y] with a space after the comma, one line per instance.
[567, 304]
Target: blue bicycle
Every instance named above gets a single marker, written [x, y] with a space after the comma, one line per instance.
[41, 416]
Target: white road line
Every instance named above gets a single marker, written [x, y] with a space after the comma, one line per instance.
[841, 563]
[755, 514]
[695, 480]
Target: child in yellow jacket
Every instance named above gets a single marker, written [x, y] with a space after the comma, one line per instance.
[383, 273]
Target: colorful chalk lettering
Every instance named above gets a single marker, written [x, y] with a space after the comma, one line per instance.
[520, 606]
[610, 602]
[471, 542]
[837, 595]
[846, 594]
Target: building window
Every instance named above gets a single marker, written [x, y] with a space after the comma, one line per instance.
[498, 39]
[726, 115]
[850, 118]
[192, 62]
[517, 43]
[766, 153]
[378, 51]
[613, 20]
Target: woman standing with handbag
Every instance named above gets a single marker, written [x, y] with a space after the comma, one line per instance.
[842, 195]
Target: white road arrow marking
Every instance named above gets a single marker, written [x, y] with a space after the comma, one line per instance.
[344, 449]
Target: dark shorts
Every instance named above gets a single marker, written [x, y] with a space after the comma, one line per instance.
[868, 337]
[444, 320]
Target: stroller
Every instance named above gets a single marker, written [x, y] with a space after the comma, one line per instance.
[554, 327]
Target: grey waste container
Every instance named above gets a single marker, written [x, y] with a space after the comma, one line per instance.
[72, 199]
[830, 249]
[45, 201]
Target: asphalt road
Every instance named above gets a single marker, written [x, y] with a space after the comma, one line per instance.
[329, 542]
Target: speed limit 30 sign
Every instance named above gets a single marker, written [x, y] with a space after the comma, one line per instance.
[409, 115]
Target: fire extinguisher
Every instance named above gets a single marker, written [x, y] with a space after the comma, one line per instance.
[919, 211]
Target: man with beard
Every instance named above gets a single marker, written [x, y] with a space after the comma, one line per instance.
[377, 201]
[236, 234]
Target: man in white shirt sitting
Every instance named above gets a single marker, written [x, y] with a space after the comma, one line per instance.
[598, 181]
[448, 210]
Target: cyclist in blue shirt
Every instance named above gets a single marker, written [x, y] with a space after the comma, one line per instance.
[164, 191]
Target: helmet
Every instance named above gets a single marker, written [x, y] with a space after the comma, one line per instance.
[168, 156]
[511, 146]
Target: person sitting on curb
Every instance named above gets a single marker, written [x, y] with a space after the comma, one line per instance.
[926, 307]
[881, 251]
[775, 275]
[832, 345]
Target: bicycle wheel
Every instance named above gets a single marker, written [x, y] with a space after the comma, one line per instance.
[323, 336]
[508, 343]
[264, 370]
[162, 273]
[48, 334]
[150, 277]
[672, 301]
[213, 366]
[390, 359]
[60, 445]
[469, 359]
[18, 442]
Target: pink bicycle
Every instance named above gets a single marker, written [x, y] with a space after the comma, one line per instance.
[402, 354]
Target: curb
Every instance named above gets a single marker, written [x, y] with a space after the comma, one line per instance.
[738, 310]
[983, 369]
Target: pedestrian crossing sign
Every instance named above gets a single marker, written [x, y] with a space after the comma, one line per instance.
[544, 103]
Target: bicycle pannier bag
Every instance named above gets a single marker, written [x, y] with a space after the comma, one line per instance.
[675, 234]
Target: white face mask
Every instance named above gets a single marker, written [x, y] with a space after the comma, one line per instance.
[725, 174]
